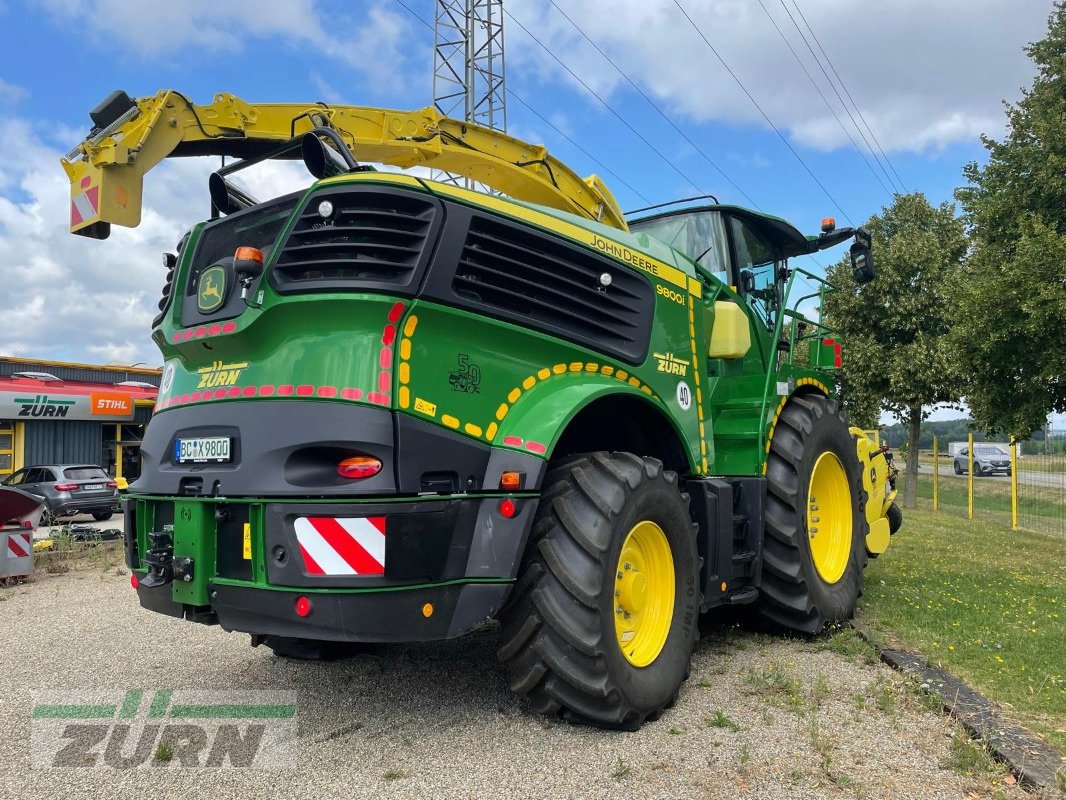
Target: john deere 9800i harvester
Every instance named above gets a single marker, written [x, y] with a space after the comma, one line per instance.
[394, 409]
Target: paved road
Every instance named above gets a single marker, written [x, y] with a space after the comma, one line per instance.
[437, 720]
[1052, 479]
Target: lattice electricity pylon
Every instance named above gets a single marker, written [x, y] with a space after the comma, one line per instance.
[468, 66]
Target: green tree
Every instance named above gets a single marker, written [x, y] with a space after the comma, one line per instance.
[1011, 331]
[897, 356]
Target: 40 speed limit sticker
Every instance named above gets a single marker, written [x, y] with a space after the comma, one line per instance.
[684, 396]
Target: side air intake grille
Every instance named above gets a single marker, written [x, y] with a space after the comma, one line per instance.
[540, 281]
[372, 239]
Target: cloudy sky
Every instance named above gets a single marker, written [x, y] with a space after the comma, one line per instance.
[928, 77]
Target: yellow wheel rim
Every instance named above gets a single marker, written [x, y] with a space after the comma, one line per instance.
[643, 594]
[829, 522]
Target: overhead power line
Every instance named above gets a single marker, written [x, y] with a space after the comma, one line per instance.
[836, 91]
[825, 100]
[769, 121]
[652, 103]
[511, 92]
[846, 92]
[586, 153]
[607, 105]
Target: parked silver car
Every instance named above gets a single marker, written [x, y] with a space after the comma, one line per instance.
[69, 489]
[987, 460]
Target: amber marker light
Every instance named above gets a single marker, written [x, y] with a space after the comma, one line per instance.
[248, 254]
[358, 467]
[511, 480]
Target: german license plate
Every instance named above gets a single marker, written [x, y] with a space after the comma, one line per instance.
[91, 486]
[202, 450]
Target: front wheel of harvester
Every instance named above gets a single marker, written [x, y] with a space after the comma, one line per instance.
[601, 623]
[814, 550]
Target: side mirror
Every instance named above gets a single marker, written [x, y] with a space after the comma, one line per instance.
[862, 263]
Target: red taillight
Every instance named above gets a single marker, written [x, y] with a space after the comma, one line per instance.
[133, 580]
[66, 487]
[507, 508]
[112, 485]
[358, 467]
[303, 606]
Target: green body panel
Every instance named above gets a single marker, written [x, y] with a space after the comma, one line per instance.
[190, 521]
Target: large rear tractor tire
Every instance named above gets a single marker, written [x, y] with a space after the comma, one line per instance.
[600, 626]
[815, 546]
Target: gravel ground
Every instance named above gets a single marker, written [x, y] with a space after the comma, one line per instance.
[799, 720]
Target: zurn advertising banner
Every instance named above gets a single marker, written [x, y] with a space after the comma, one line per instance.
[36, 404]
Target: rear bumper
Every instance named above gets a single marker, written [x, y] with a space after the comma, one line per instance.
[66, 507]
[414, 614]
[448, 565]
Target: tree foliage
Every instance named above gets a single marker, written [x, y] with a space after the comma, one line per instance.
[1011, 303]
[897, 355]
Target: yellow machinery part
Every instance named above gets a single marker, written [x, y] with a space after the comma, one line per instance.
[730, 333]
[106, 170]
[874, 469]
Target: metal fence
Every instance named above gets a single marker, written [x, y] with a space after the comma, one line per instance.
[1029, 493]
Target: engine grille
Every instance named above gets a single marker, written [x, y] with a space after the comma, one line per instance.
[372, 239]
[540, 281]
[256, 227]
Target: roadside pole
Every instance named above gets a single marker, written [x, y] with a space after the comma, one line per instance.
[1013, 484]
[969, 476]
[936, 473]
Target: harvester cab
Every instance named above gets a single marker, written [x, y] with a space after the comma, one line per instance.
[393, 409]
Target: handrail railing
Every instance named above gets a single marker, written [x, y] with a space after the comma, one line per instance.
[824, 287]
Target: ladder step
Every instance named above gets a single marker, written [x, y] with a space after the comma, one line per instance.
[743, 557]
[749, 594]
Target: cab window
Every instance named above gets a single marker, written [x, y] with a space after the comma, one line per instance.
[700, 235]
[755, 269]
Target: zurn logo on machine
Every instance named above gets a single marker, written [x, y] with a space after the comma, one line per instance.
[165, 729]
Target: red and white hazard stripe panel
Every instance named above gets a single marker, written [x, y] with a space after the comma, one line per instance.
[342, 545]
[19, 545]
[85, 206]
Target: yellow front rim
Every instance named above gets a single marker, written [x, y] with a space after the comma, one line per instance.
[829, 520]
[643, 594]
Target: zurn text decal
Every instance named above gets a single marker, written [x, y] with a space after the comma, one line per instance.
[219, 374]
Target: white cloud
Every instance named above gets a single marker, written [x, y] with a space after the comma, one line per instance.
[9, 93]
[369, 40]
[925, 73]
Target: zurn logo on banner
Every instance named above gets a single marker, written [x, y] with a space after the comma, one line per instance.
[163, 729]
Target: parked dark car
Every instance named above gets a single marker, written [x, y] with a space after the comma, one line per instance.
[69, 489]
[987, 460]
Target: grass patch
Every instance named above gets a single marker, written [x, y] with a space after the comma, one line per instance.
[986, 603]
[164, 752]
[970, 759]
[393, 774]
[722, 720]
[621, 770]
[777, 685]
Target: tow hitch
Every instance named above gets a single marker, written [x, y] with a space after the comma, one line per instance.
[160, 558]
